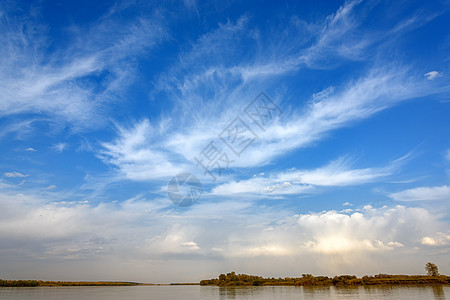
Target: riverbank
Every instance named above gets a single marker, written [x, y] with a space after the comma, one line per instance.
[37, 283]
[232, 279]
[42, 283]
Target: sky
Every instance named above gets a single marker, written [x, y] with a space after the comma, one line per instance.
[171, 141]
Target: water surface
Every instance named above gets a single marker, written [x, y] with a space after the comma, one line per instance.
[222, 293]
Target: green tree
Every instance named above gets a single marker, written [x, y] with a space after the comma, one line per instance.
[432, 269]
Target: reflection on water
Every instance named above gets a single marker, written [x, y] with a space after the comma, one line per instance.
[328, 292]
[438, 292]
[226, 293]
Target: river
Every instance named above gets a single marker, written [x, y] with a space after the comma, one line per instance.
[223, 293]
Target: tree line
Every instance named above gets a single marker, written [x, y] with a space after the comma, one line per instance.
[233, 279]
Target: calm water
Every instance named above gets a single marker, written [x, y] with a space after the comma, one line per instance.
[207, 293]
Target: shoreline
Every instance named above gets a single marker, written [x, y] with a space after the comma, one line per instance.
[243, 280]
[46, 283]
[233, 279]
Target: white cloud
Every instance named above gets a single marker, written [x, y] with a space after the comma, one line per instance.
[209, 87]
[423, 193]
[365, 97]
[432, 75]
[15, 174]
[259, 186]
[339, 38]
[334, 232]
[138, 154]
[333, 241]
[237, 232]
[30, 149]
[201, 124]
[51, 187]
[447, 156]
[32, 218]
[367, 207]
[439, 239]
[395, 244]
[20, 128]
[59, 147]
[175, 240]
[336, 109]
[336, 173]
[68, 86]
[338, 244]
[191, 245]
[208, 72]
[267, 250]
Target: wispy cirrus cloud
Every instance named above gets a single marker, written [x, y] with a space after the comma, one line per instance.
[327, 111]
[209, 89]
[218, 63]
[423, 194]
[339, 39]
[77, 81]
[59, 147]
[51, 187]
[218, 66]
[138, 154]
[336, 173]
[333, 109]
[15, 174]
[214, 79]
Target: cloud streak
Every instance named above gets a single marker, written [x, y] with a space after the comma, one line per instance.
[336, 173]
[15, 174]
[138, 155]
[77, 82]
[436, 193]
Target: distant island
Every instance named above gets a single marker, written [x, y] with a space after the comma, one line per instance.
[233, 279]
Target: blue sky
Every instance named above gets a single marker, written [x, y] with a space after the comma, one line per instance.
[102, 104]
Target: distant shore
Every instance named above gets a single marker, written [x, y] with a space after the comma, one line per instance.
[37, 283]
[233, 279]
[43, 283]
